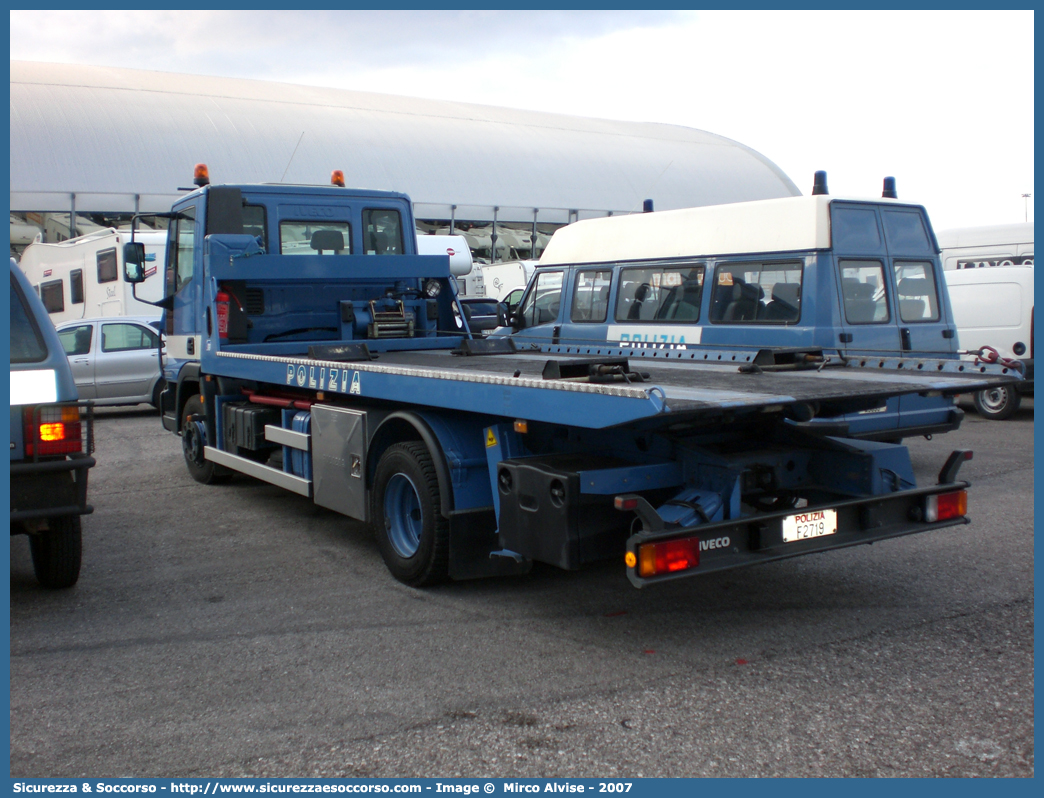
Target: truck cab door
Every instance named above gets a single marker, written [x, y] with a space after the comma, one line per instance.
[184, 281]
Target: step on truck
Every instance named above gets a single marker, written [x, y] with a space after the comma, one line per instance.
[311, 348]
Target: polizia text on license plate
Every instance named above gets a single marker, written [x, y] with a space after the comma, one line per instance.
[813, 524]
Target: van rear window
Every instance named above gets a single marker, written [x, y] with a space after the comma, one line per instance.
[27, 345]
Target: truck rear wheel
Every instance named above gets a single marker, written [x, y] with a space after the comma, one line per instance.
[193, 439]
[412, 535]
[998, 403]
[57, 553]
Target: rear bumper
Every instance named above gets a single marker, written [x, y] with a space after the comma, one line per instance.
[50, 488]
[759, 539]
[953, 422]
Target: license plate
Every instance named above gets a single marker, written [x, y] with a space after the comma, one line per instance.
[813, 524]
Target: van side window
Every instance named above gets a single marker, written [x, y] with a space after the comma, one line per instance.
[27, 345]
[76, 286]
[659, 293]
[107, 271]
[382, 232]
[905, 233]
[863, 289]
[757, 293]
[52, 295]
[591, 296]
[77, 340]
[918, 299]
[315, 238]
[543, 299]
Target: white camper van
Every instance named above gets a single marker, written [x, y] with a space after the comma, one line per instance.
[499, 280]
[82, 277]
[454, 246]
[989, 276]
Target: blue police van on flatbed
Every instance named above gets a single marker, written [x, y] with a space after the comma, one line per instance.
[861, 278]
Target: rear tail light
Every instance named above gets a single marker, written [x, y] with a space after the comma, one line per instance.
[668, 557]
[53, 430]
[944, 506]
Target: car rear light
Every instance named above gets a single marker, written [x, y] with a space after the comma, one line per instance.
[668, 557]
[944, 506]
[53, 430]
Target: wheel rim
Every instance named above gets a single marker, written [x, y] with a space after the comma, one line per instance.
[402, 515]
[994, 399]
[192, 442]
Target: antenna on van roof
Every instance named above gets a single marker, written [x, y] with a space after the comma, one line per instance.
[889, 189]
[819, 185]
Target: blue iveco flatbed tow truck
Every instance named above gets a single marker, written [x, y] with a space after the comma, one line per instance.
[309, 347]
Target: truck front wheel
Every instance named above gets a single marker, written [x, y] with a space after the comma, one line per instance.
[57, 553]
[998, 403]
[412, 535]
[193, 439]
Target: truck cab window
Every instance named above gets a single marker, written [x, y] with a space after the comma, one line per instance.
[382, 232]
[315, 238]
[254, 223]
[863, 290]
[183, 233]
[542, 301]
[918, 299]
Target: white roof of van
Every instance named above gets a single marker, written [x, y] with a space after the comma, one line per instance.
[778, 225]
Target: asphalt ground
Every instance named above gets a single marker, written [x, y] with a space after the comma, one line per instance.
[239, 630]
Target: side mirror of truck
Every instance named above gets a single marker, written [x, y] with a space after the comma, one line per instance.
[134, 262]
[503, 314]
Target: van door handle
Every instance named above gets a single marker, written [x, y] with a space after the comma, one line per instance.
[905, 333]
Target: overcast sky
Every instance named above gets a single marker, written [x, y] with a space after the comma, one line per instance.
[942, 100]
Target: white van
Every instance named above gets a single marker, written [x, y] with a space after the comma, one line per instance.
[984, 247]
[83, 277]
[989, 276]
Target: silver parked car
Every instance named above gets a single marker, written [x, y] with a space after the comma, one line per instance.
[115, 360]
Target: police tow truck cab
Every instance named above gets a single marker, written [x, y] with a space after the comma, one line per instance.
[312, 349]
[857, 277]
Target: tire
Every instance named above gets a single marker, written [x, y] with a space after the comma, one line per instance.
[998, 403]
[57, 553]
[192, 443]
[155, 401]
[412, 535]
